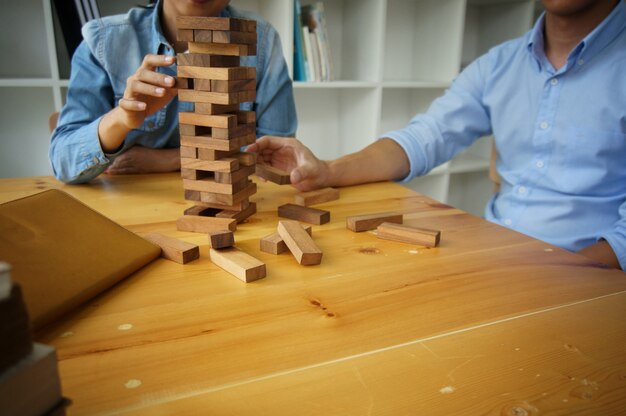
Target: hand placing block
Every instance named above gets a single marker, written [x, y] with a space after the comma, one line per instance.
[304, 214]
[299, 243]
[173, 249]
[367, 222]
[239, 264]
[272, 174]
[274, 244]
[407, 234]
[317, 197]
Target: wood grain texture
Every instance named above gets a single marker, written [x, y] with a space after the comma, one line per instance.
[241, 265]
[234, 132]
[318, 196]
[359, 223]
[272, 174]
[197, 224]
[274, 243]
[235, 73]
[208, 142]
[245, 38]
[239, 215]
[407, 234]
[205, 60]
[209, 185]
[216, 97]
[214, 109]
[221, 165]
[221, 239]
[300, 243]
[223, 121]
[173, 249]
[304, 214]
[229, 199]
[235, 176]
[228, 49]
[233, 85]
[215, 23]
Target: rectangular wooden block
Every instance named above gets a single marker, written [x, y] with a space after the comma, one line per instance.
[210, 154]
[184, 83]
[316, 197]
[200, 84]
[209, 185]
[205, 60]
[229, 199]
[274, 244]
[207, 142]
[245, 38]
[239, 264]
[233, 177]
[299, 243]
[223, 121]
[230, 133]
[235, 73]
[195, 174]
[272, 174]
[222, 165]
[192, 130]
[215, 23]
[199, 224]
[188, 152]
[304, 214]
[201, 35]
[407, 234]
[240, 216]
[358, 223]
[215, 109]
[201, 211]
[221, 238]
[239, 206]
[174, 249]
[233, 85]
[185, 35]
[222, 98]
[228, 49]
[246, 117]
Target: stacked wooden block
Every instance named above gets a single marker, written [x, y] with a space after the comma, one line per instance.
[215, 172]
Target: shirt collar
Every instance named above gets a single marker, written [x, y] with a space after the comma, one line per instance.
[591, 45]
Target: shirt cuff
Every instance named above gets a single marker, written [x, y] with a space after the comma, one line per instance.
[414, 152]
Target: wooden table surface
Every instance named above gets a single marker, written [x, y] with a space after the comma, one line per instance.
[490, 322]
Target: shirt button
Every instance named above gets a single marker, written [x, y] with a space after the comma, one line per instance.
[581, 61]
[522, 190]
[508, 222]
[539, 164]
[544, 125]
[554, 81]
[150, 125]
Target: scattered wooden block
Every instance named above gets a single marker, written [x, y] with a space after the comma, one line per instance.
[173, 249]
[358, 223]
[239, 264]
[407, 234]
[299, 243]
[272, 174]
[304, 214]
[221, 238]
[198, 224]
[274, 244]
[316, 197]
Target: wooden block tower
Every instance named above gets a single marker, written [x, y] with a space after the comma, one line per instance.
[214, 170]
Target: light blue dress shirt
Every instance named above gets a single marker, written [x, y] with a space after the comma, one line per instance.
[112, 50]
[560, 135]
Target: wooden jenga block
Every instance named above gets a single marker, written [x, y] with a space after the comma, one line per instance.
[226, 74]
[210, 154]
[222, 165]
[192, 130]
[245, 117]
[228, 49]
[246, 158]
[188, 152]
[222, 36]
[173, 249]
[185, 35]
[234, 177]
[223, 121]
[274, 244]
[358, 223]
[233, 85]
[201, 59]
[299, 243]
[194, 174]
[209, 185]
[221, 239]
[239, 206]
[184, 83]
[201, 211]
[272, 174]
[229, 199]
[199, 224]
[229, 133]
[201, 35]
[215, 109]
[215, 23]
[238, 263]
[200, 84]
[304, 214]
[240, 216]
[407, 234]
[316, 197]
[216, 97]
[207, 142]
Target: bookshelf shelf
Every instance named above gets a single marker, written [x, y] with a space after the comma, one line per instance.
[391, 59]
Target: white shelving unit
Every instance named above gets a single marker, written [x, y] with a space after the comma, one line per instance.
[391, 59]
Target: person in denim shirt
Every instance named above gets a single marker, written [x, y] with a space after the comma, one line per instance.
[121, 114]
[555, 102]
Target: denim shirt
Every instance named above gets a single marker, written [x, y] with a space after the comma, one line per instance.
[112, 50]
[560, 135]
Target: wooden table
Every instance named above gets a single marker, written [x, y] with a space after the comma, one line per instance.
[490, 322]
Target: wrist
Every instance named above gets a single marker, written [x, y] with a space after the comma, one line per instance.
[112, 130]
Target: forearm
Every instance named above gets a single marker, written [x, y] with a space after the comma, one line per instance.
[602, 252]
[383, 160]
[112, 131]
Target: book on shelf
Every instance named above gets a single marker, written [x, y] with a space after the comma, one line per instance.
[312, 54]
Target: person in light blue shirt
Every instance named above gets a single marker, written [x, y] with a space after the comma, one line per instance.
[121, 114]
[555, 100]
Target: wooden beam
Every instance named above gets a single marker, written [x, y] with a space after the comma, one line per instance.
[272, 174]
[316, 197]
[239, 264]
[406, 234]
[225, 74]
[174, 249]
[205, 60]
[274, 243]
[304, 214]
[299, 243]
[358, 223]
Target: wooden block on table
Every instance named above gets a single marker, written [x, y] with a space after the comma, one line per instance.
[215, 23]
[358, 223]
[229, 133]
[228, 49]
[304, 214]
[240, 216]
[223, 121]
[406, 234]
[210, 186]
[188, 152]
[299, 243]
[185, 35]
[233, 177]
[207, 142]
[221, 238]
[222, 98]
[215, 109]
[174, 249]
[194, 174]
[238, 263]
[199, 224]
[274, 244]
[272, 174]
[222, 165]
[205, 60]
[245, 38]
[233, 85]
[234, 73]
[229, 199]
[316, 197]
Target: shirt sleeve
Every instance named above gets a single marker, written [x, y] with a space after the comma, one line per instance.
[617, 237]
[75, 152]
[452, 123]
[275, 105]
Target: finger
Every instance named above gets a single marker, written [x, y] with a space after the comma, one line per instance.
[154, 78]
[137, 87]
[153, 61]
[132, 105]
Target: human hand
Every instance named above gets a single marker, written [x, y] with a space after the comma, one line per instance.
[307, 172]
[146, 92]
[140, 159]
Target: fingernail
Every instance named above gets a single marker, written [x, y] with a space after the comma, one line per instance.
[141, 106]
[169, 80]
[169, 59]
[159, 90]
